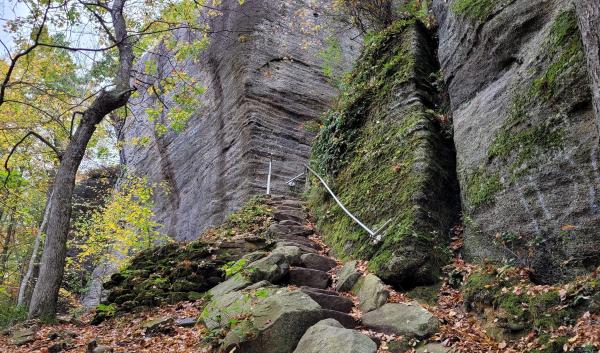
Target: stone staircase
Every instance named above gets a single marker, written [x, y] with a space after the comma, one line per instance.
[297, 298]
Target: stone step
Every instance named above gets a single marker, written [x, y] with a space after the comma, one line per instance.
[300, 276]
[346, 320]
[290, 223]
[296, 216]
[300, 240]
[277, 229]
[303, 248]
[292, 203]
[318, 262]
[329, 299]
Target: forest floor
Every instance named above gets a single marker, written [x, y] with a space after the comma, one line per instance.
[461, 330]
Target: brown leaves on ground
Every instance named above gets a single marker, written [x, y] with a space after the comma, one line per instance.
[123, 334]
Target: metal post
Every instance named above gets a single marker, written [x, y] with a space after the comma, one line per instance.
[306, 179]
[269, 176]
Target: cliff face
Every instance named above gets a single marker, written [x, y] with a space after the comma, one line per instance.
[385, 150]
[266, 91]
[525, 133]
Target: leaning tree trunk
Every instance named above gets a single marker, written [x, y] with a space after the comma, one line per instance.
[588, 14]
[45, 293]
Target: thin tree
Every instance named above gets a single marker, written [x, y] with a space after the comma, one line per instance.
[123, 36]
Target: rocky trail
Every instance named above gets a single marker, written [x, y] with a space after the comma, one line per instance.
[317, 305]
[295, 298]
[290, 296]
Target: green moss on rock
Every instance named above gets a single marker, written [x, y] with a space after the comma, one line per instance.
[477, 10]
[385, 63]
[183, 271]
[481, 187]
[519, 306]
[384, 150]
[524, 140]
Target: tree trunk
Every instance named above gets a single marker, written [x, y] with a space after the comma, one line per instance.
[45, 293]
[34, 254]
[588, 14]
[10, 232]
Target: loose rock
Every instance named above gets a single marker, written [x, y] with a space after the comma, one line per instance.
[410, 320]
[347, 277]
[300, 276]
[271, 268]
[329, 336]
[318, 262]
[372, 293]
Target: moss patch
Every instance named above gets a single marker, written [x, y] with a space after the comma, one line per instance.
[565, 48]
[481, 187]
[387, 161]
[524, 141]
[520, 306]
[385, 63]
[182, 271]
[477, 10]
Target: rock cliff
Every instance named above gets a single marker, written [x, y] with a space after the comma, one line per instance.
[266, 90]
[385, 150]
[525, 133]
[490, 111]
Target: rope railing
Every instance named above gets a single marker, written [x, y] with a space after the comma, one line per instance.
[375, 235]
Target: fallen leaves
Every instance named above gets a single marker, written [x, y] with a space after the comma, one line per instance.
[123, 334]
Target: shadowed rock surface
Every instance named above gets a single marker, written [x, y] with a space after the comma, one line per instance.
[266, 92]
[525, 133]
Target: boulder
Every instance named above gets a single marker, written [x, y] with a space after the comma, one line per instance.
[271, 268]
[525, 133]
[301, 276]
[267, 320]
[318, 262]
[22, 337]
[371, 292]
[58, 347]
[329, 299]
[162, 325]
[186, 322]
[347, 277]
[331, 337]
[93, 347]
[292, 253]
[410, 320]
[387, 149]
[234, 283]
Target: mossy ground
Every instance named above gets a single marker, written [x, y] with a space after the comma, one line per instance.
[520, 306]
[184, 271]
